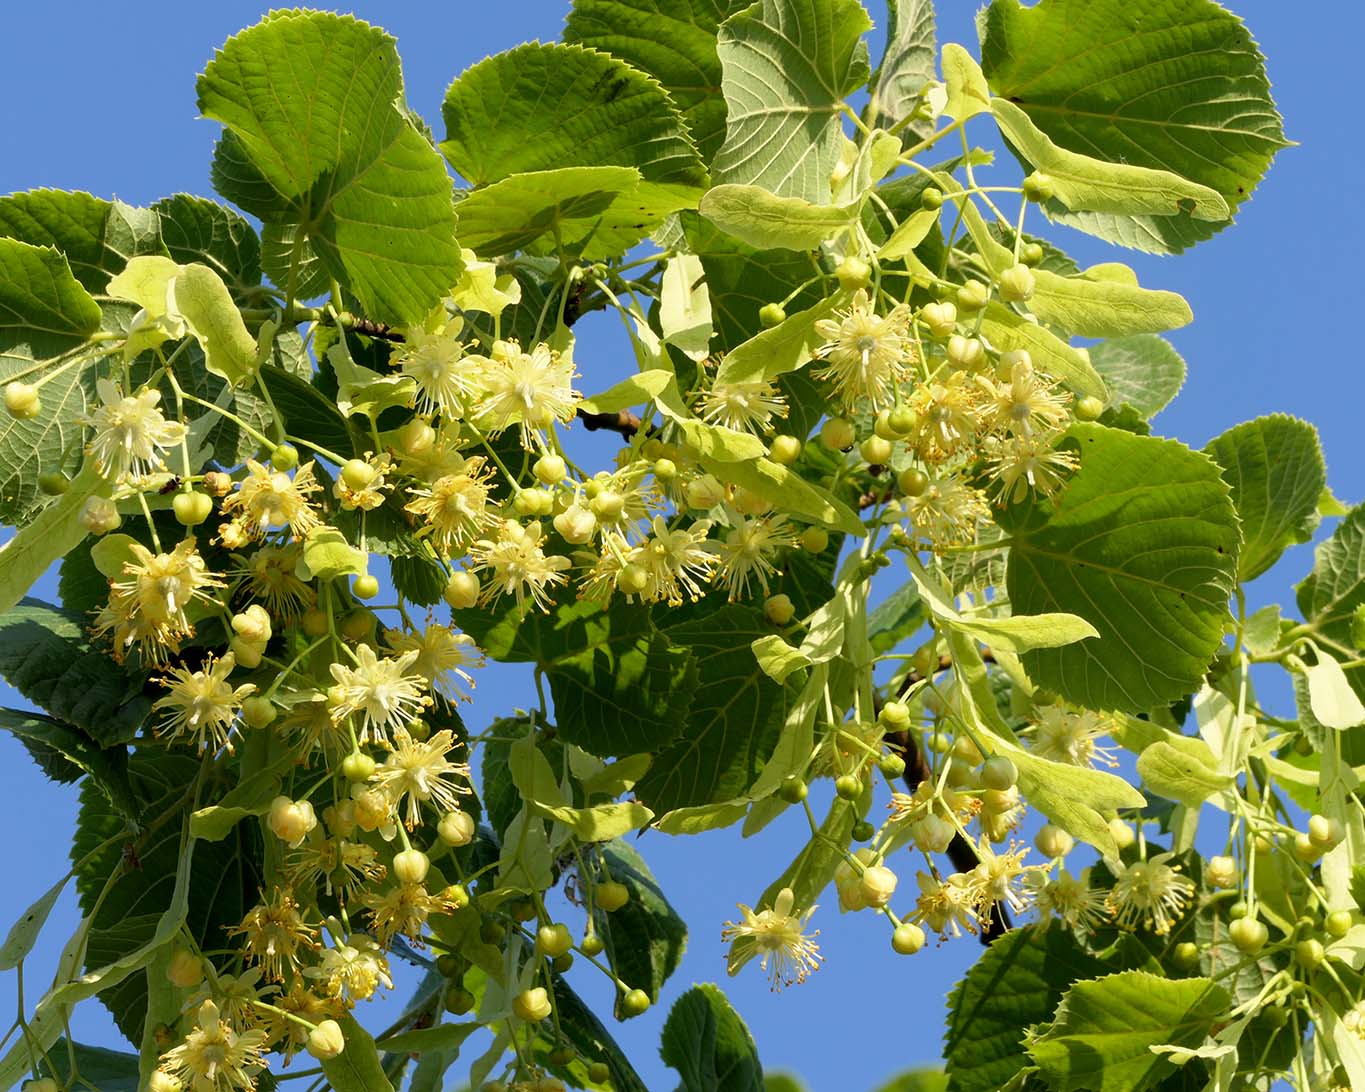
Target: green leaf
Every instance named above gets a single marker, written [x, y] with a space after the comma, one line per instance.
[328, 554]
[593, 212]
[357, 1068]
[541, 107]
[787, 66]
[1142, 543]
[1095, 307]
[314, 102]
[592, 1041]
[209, 886]
[97, 237]
[97, 1067]
[308, 413]
[38, 294]
[1333, 702]
[46, 657]
[1182, 88]
[601, 822]
[733, 723]
[685, 306]
[1085, 184]
[1103, 1032]
[782, 1082]
[448, 1037]
[898, 616]
[917, 1080]
[619, 685]
[1183, 769]
[777, 658]
[672, 40]
[769, 222]
[645, 939]
[907, 67]
[1332, 593]
[1275, 469]
[65, 752]
[195, 229]
[1015, 984]
[1078, 799]
[252, 796]
[777, 350]
[707, 1042]
[52, 534]
[1143, 371]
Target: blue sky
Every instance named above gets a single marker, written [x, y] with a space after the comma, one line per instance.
[101, 97]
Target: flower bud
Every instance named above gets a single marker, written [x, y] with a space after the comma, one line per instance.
[462, 592]
[815, 540]
[1305, 849]
[748, 502]
[22, 401]
[1221, 872]
[1017, 283]
[907, 939]
[284, 457]
[853, 273]
[877, 885]
[291, 820]
[785, 449]
[779, 609]
[1325, 833]
[532, 1005]
[611, 896]
[704, 492]
[185, 969]
[372, 808]
[932, 834]
[999, 772]
[549, 469]
[99, 516]
[357, 474]
[576, 524]
[456, 828]
[941, 318]
[252, 625]
[875, 450]
[772, 314]
[411, 866]
[973, 296]
[838, 434]
[357, 766]
[416, 437]
[1053, 841]
[1122, 833]
[217, 484]
[965, 352]
[326, 1041]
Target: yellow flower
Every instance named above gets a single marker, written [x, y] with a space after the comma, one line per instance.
[420, 771]
[746, 407]
[676, 561]
[342, 866]
[204, 703]
[275, 932]
[149, 608]
[235, 996]
[946, 906]
[386, 692]
[447, 380]
[518, 565]
[442, 656]
[1021, 464]
[866, 354]
[455, 507]
[1067, 899]
[778, 937]
[747, 550]
[214, 1057]
[1061, 735]
[998, 878]
[130, 432]
[369, 496]
[301, 1002]
[947, 512]
[530, 389]
[354, 970]
[949, 415]
[1150, 892]
[270, 500]
[1028, 403]
[269, 573]
[404, 909]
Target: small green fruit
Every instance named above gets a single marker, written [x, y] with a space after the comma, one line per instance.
[891, 766]
[785, 450]
[876, 451]
[611, 896]
[357, 767]
[853, 273]
[814, 540]
[553, 940]
[53, 484]
[931, 197]
[1088, 408]
[772, 314]
[599, 1072]
[1186, 955]
[365, 586]
[1338, 924]
[1309, 954]
[1249, 935]
[284, 457]
[592, 945]
[634, 1003]
[838, 434]
[999, 773]
[793, 790]
[1038, 187]
[912, 481]
[863, 831]
[357, 473]
[848, 786]
[894, 716]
